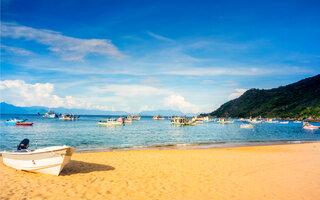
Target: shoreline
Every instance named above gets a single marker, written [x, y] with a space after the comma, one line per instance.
[214, 145]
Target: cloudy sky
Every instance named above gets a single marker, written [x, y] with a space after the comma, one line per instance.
[146, 55]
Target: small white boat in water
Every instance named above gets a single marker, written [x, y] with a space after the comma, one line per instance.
[112, 122]
[309, 126]
[246, 126]
[271, 121]
[284, 122]
[49, 160]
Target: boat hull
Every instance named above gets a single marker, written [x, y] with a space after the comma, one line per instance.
[15, 121]
[311, 127]
[50, 160]
[24, 124]
[110, 123]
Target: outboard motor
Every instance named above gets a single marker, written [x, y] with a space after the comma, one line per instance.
[24, 144]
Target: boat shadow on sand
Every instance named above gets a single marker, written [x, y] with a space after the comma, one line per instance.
[80, 167]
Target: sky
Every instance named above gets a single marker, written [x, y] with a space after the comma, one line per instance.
[189, 56]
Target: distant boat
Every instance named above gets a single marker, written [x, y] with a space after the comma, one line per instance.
[68, 117]
[14, 121]
[136, 118]
[209, 119]
[181, 121]
[307, 125]
[246, 126]
[24, 124]
[112, 122]
[271, 121]
[198, 118]
[223, 121]
[159, 117]
[49, 160]
[50, 114]
[133, 117]
[255, 121]
[284, 122]
[297, 121]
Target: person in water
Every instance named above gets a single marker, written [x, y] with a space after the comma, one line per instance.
[24, 144]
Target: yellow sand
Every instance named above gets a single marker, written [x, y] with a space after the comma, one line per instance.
[262, 172]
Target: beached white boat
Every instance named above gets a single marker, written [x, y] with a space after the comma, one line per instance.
[246, 126]
[49, 160]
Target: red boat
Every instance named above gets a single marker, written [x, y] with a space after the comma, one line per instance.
[24, 124]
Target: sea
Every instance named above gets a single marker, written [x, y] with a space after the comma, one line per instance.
[84, 134]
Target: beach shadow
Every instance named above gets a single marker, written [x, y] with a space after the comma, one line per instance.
[80, 167]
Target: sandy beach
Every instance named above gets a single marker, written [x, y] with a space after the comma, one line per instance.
[259, 172]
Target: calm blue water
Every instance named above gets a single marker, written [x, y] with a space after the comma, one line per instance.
[86, 134]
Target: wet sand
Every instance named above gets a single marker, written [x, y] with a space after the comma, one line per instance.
[260, 172]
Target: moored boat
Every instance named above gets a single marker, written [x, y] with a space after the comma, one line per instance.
[181, 121]
[49, 160]
[14, 121]
[209, 119]
[246, 126]
[24, 124]
[50, 114]
[224, 121]
[255, 121]
[284, 122]
[159, 117]
[136, 118]
[271, 121]
[112, 122]
[68, 117]
[307, 125]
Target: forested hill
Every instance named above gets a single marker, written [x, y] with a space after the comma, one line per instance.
[297, 100]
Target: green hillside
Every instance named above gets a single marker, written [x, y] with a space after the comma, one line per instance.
[297, 100]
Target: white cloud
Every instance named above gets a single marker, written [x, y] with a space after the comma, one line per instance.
[69, 48]
[132, 90]
[16, 51]
[20, 93]
[159, 37]
[177, 102]
[237, 93]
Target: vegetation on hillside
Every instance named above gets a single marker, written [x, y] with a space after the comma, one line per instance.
[297, 100]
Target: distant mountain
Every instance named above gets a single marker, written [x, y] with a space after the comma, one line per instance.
[297, 100]
[164, 113]
[11, 109]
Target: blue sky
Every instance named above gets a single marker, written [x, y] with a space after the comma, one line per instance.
[190, 56]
